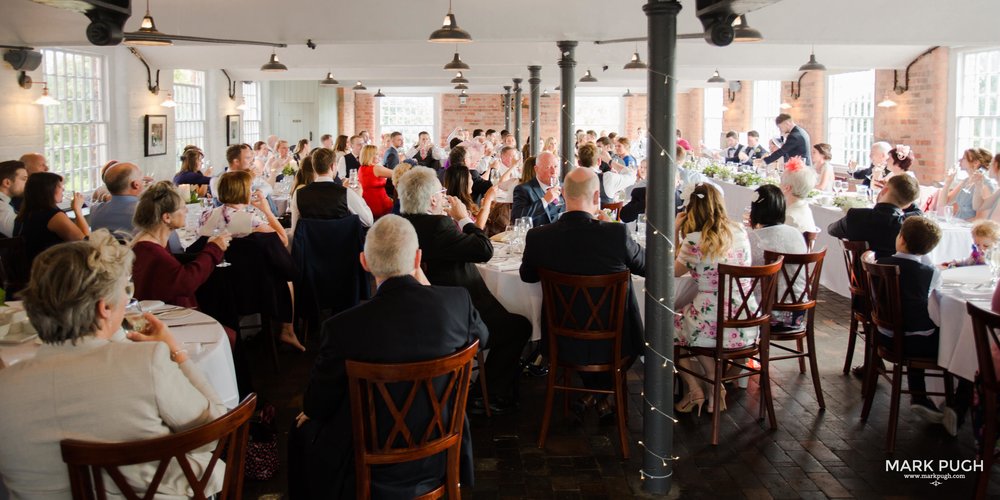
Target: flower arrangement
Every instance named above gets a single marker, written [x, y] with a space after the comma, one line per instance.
[748, 179]
[289, 170]
[846, 203]
[717, 171]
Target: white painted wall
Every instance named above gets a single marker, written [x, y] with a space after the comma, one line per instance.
[21, 121]
[319, 104]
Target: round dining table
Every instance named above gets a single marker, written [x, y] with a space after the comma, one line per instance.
[947, 307]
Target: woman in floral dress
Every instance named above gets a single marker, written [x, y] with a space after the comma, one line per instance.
[708, 238]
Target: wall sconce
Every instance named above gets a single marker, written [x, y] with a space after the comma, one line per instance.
[230, 87]
[153, 88]
[45, 100]
[796, 90]
[899, 88]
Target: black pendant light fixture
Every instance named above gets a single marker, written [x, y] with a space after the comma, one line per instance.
[744, 33]
[273, 65]
[379, 93]
[588, 78]
[459, 78]
[636, 62]
[461, 86]
[359, 86]
[628, 93]
[449, 31]
[456, 63]
[813, 64]
[329, 80]
[148, 27]
[716, 78]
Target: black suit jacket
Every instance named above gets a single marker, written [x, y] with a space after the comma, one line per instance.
[404, 322]
[528, 203]
[796, 144]
[878, 226]
[450, 255]
[580, 244]
[637, 204]
[866, 174]
[914, 289]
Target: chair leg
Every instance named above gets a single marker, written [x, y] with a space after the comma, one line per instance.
[814, 366]
[549, 395]
[716, 398]
[620, 410]
[481, 362]
[852, 336]
[802, 361]
[897, 388]
[765, 378]
[987, 442]
[868, 386]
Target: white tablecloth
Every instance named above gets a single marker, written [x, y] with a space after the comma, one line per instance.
[957, 347]
[207, 346]
[956, 240]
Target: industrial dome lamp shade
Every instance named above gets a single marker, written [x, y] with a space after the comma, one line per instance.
[635, 62]
[456, 63]
[242, 106]
[169, 101]
[813, 64]
[588, 78]
[628, 93]
[329, 80]
[449, 31]
[148, 27]
[887, 102]
[358, 86]
[461, 86]
[273, 65]
[716, 78]
[744, 33]
[545, 93]
[459, 78]
[785, 105]
[379, 93]
[46, 99]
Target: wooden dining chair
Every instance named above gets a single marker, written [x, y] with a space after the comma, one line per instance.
[800, 279]
[887, 315]
[615, 207]
[15, 270]
[383, 393]
[737, 287]
[985, 328]
[89, 461]
[581, 310]
[810, 237]
[860, 304]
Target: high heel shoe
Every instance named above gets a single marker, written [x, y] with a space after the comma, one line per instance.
[722, 397]
[687, 404]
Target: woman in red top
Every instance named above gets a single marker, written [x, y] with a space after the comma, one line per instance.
[372, 178]
[156, 273]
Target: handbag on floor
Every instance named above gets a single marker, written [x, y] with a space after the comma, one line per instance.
[262, 447]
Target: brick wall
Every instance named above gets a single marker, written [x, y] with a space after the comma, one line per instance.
[485, 111]
[739, 116]
[690, 119]
[809, 110]
[345, 111]
[920, 118]
[636, 108]
[364, 115]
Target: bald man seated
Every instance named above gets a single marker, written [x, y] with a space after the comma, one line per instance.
[34, 163]
[124, 182]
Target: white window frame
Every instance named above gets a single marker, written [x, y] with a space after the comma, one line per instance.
[977, 104]
[765, 107]
[189, 114]
[252, 122]
[851, 116]
[77, 129]
[712, 116]
[412, 129]
[586, 103]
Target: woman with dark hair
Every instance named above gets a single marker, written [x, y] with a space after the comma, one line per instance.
[898, 163]
[822, 153]
[301, 150]
[41, 223]
[339, 148]
[191, 169]
[527, 170]
[458, 182]
[305, 174]
[768, 231]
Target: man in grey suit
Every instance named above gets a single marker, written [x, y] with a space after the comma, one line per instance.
[540, 198]
[124, 182]
[796, 141]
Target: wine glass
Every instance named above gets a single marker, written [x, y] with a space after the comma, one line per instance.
[134, 316]
[219, 230]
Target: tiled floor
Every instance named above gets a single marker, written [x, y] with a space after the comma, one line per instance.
[813, 454]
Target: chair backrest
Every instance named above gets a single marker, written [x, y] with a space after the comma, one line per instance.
[326, 252]
[87, 461]
[810, 237]
[985, 325]
[799, 278]
[855, 273]
[585, 307]
[615, 207]
[884, 294]
[738, 286]
[387, 392]
[15, 269]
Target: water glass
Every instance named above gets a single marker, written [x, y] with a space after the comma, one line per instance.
[993, 260]
[353, 178]
[135, 317]
[863, 191]
[949, 211]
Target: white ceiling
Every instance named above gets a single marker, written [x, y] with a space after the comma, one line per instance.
[383, 42]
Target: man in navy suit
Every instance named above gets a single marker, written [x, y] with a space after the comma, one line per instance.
[796, 141]
[540, 198]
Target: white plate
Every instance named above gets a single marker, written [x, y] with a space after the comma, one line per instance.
[178, 314]
[151, 305]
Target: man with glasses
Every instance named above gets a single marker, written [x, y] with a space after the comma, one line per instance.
[540, 198]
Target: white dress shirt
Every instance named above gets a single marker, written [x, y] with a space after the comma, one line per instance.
[7, 216]
[355, 205]
[437, 153]
[616, 182]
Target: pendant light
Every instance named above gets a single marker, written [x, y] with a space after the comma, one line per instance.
[46, 99]
[329, 80]
[636, 62]
[379, 93]
[242, 106]
[461, 86]
[716, 78]
[148, 27]
[459, 78]
[744, 33]
[785, 105]
[545, 93]
[456, 63]
[812, 65]
[359, 86]
[588, 78]
[887, 102]
[273, 65]
[169, 101]
[450, 32]
[628, 93]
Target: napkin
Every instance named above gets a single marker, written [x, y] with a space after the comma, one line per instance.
[505, 264]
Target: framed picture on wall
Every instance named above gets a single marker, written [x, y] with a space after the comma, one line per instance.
[156, 135]
[233, 135]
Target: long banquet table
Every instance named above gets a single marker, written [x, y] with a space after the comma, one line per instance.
[957, 347]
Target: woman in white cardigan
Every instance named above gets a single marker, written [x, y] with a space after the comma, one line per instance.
[89, 382]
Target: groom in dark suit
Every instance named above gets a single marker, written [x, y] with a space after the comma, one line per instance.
[407, 320]
[796, 141]
[539, 198]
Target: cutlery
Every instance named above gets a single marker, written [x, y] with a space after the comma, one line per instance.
[192, 324]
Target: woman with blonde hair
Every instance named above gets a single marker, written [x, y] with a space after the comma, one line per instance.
[527, 170]
[974, 161]
[709, 238]
[550, 145]
[372, 178]
[397, 173]
[235, 194]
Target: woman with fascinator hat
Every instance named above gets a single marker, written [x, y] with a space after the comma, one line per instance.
[899, 163]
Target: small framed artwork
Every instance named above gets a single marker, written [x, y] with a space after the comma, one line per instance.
[156, 135]
[233, 134]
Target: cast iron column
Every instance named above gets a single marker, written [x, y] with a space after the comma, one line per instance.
[567, 95]
[506, 108]
[658, 429]
[517, 112]
[534, 81]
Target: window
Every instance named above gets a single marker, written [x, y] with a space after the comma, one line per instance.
[76, 130]
[252, 112]
[189, 115]
[766, 106]
[598, 113]
[978, 109]
[851, 111]
[712, 131]
[407, 114]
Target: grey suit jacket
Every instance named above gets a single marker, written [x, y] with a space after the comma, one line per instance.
[528, 203]
[99, 390]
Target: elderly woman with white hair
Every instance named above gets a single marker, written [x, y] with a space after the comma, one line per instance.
[88, 383]
[796, 183]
